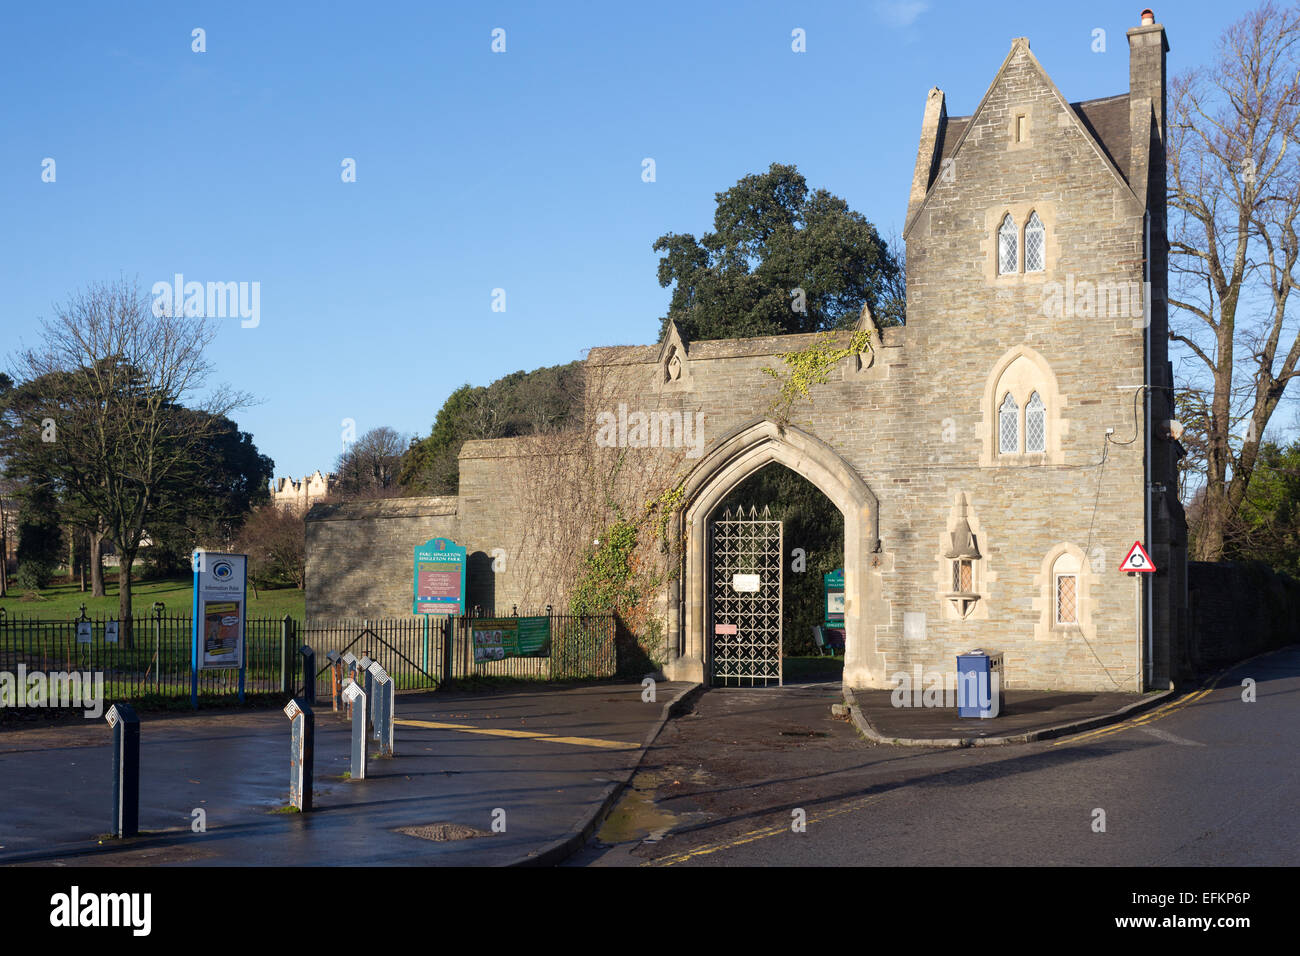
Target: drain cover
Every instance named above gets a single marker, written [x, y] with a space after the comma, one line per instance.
[443, 832]
[804, 733]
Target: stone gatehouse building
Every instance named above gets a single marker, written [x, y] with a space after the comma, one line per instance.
[994, 460]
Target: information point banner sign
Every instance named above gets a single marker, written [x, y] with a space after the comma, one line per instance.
[439, 577]
[496, 638]
[219, 602]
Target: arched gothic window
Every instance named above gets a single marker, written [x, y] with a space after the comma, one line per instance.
[1035, 244]
[1035, 425]
[1009, 426]
[1008, 255]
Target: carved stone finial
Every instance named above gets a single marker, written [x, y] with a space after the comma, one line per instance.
[674, 358]
[866, 321]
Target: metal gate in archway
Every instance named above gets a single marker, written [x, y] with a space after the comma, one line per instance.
[745, 587]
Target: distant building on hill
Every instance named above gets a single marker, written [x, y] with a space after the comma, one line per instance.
[301, 495]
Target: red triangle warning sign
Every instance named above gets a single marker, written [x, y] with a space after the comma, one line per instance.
[1137, 559]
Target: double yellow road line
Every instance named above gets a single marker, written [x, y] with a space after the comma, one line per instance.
[755, 835]
[1164, 710]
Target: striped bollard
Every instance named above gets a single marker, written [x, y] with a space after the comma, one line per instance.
[358, 703]
[126, 769]
[336, 680]
[349, 674]
[367, 684]
[383, 690]
[301, 746]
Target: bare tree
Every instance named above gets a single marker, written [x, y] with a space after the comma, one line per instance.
[1234, 192]
[370, 465]
[5, 512]
[114, 375]
[275, 541]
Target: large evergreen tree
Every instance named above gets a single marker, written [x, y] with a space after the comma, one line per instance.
[781, 259]
[520, 403]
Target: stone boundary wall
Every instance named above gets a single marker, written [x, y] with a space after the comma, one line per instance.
[360, 554]
[1238, 610]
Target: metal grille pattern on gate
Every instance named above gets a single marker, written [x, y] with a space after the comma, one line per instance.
[745, 599]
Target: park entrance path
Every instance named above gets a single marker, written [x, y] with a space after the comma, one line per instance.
[540, 759]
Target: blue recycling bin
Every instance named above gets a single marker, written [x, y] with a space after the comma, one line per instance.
[977, 694]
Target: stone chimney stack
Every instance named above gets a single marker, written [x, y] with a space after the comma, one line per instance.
[927, 154]
[1147, 46]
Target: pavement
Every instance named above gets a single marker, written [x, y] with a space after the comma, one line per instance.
[1026, 716]
[478, 779]
[514, 777]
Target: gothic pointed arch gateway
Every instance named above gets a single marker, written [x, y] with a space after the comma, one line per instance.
[733, 458]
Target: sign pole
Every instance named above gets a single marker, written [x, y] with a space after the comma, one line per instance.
[243, 642]
[197, 564]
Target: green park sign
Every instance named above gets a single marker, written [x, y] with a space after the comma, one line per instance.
[833, 589]
[439, 577]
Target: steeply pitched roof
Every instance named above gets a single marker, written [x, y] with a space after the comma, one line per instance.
[1103, 122]
[1107, 119]
[950, 134]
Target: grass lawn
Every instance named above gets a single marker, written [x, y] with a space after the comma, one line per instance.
[64, 600]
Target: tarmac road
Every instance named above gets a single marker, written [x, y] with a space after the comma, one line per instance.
[1207, 779]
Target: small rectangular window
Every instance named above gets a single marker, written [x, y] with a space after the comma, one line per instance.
[1022, 128]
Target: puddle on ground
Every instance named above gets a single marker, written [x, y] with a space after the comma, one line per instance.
[637, 818]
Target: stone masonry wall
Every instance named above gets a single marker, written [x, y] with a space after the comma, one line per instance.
[360, 555]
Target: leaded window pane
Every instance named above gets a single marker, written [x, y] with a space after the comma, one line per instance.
[961, 577]
[1034, 244]
[1066, 603]
[1007, 252]
[1009, 426]
[1035, 424]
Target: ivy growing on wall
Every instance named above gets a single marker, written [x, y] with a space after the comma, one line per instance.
[606, 582]
[627, 564]
[811, 366]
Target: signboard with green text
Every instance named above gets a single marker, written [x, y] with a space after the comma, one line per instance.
[439, 577]
[833, 588]
[496, 638]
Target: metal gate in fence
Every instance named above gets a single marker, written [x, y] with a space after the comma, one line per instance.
[745, 587]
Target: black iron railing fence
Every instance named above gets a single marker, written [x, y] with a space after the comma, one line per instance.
[153, 657]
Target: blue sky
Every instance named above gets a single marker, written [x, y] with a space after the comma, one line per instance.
[475, 170]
